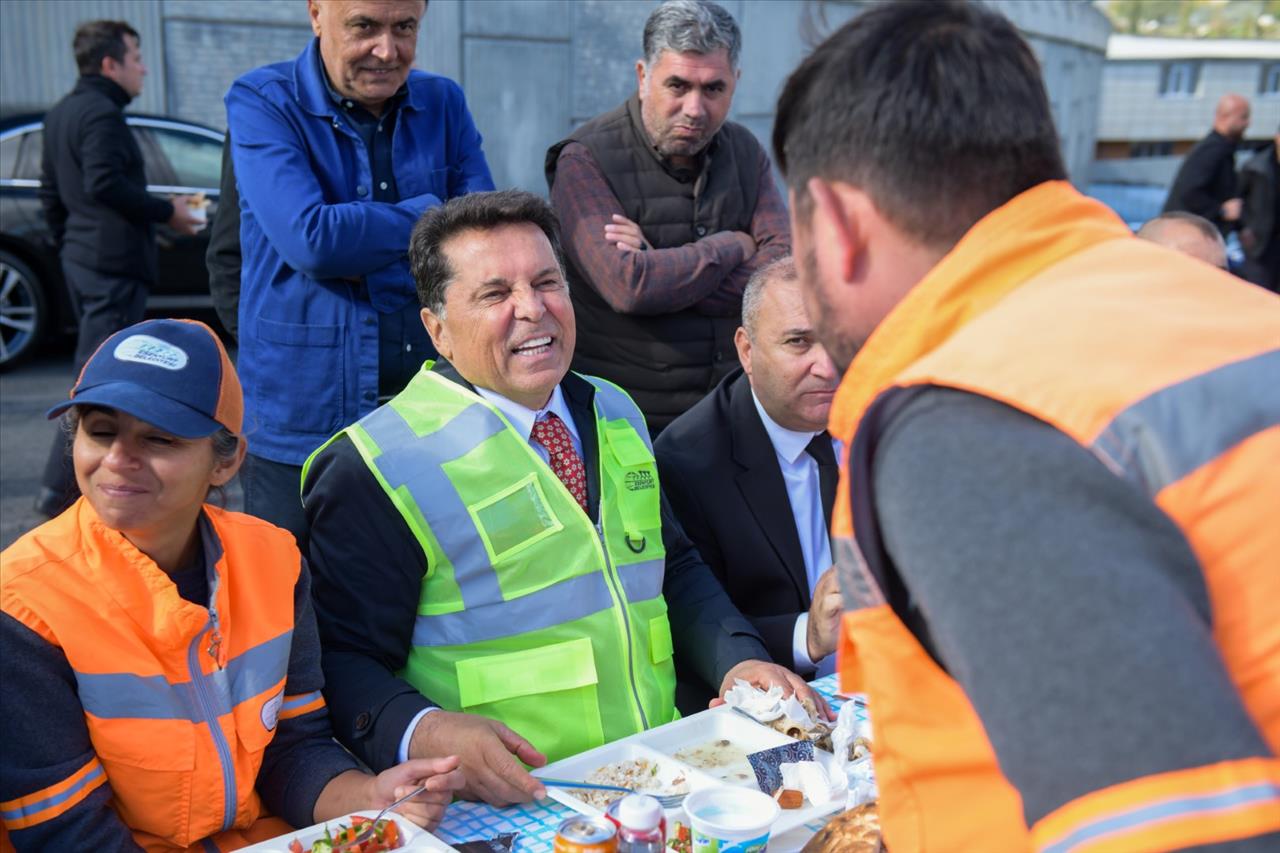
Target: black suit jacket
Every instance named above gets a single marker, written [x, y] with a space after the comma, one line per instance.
[721, 474]
[93, 184]
[367, 571]
[1206, 178]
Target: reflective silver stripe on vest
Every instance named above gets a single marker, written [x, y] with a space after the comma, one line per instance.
[414, 462]
[614, 404]
[125, 696]
[642, 581]
[575, 598]
[1164, 437]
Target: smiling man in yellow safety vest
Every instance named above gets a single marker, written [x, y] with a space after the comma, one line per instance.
[1057, 530]
[495, 538]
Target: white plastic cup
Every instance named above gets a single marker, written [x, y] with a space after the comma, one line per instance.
[729, 819]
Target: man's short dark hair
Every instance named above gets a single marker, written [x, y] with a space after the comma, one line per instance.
[95, 40]
[936, 110]
[482, 211]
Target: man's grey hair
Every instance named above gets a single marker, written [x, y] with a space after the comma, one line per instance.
[1207, 244]
[783, 269]
[691, 26]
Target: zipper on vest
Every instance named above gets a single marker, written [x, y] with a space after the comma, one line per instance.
[200, 682]
[615, 586]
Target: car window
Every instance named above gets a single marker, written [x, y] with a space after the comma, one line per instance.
[196, 160]
[9, 155]
[28, 157]
[154, 162]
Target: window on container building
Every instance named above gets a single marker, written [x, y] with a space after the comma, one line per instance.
[1269, 81]
[1179, 79]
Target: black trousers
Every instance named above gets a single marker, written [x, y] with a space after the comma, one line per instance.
[104, 304]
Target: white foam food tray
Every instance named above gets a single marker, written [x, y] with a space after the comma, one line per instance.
[579, 767]
[414, 837]
[703, 729]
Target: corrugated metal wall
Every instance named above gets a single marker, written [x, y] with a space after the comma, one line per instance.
[36, 65]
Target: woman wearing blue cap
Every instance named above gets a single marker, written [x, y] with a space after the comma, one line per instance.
[159, 655]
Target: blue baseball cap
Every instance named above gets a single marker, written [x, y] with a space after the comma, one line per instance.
[173, 374]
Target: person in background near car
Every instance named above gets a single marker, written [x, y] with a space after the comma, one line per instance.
[1190, 234]
[1260, 221]
[757, 450]
[1206, 181]
[159, 655]
[93, 191]
[1056, 526]
[336, 154]
[223, 256]
[667, 209]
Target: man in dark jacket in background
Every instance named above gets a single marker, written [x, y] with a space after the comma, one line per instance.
[1260, 220]
[223, 257]
[1206, 182]
[93, 190]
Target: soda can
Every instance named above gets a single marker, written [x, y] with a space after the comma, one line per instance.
[586, 835]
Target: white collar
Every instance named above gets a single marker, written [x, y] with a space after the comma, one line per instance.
[787, 443]
[523, 418]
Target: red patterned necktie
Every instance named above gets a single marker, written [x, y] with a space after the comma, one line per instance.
[552, 434]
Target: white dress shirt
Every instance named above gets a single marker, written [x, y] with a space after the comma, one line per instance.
[804, 492]
[522, 419]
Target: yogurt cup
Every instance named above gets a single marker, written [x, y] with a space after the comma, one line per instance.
[729, 819]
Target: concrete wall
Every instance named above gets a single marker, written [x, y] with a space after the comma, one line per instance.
[1132, 109]
[532, 69]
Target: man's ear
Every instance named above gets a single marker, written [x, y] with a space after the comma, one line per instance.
[742, 341]
[439, 336]
[313, 12]
[835, 222]
[640, 78]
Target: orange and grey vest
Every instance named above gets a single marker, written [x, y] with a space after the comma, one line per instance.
[1166, 371]
[180, 700]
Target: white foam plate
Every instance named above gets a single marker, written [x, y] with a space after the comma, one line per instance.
[415, 837]
[661, 744]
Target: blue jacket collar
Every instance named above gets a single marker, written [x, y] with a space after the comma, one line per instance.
[313, 94]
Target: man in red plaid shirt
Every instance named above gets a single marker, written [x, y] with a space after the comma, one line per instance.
[666, 210]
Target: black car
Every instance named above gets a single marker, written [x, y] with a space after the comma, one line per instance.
[181, 158]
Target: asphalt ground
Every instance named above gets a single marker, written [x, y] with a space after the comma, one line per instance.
[26, 393]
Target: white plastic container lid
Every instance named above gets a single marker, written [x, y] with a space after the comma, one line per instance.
[639, 811]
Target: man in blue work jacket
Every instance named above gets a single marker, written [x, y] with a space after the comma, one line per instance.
[336, 154]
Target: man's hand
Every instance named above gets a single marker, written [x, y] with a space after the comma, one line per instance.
[442, 777]
[764, 675]
[183, 220]
[489, 752]
[824, 616]
[626, 235]
[1231, 209]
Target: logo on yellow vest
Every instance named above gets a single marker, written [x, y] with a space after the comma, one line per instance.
[639, 481]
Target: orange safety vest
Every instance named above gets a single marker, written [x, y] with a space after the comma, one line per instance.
[1049, 305]
[180, 700]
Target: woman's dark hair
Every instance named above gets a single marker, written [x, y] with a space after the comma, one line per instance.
[95, 40]
[431, 270]
[225, 443]
[937, 110]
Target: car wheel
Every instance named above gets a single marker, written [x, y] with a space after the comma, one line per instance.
[24, 312]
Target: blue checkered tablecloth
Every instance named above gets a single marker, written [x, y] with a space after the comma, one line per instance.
[536, 823]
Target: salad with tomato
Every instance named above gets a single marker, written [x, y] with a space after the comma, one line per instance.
[386, 836]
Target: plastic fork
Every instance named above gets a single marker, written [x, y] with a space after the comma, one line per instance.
[667, 801]
[369, 828]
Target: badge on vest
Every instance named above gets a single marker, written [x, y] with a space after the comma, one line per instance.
[271, 710]
[639, 481]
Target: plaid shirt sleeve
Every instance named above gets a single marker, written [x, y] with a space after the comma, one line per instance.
[656, 281]
[771, 230]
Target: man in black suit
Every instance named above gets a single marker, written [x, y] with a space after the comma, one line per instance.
[751, 473]
[451, 594]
